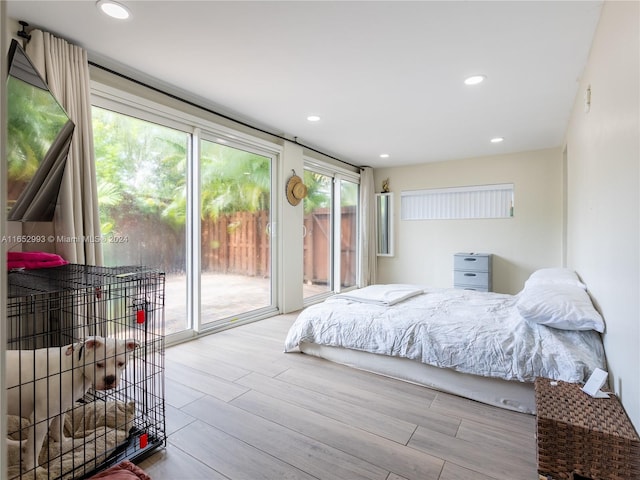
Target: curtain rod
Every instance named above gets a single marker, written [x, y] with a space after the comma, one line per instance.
[213, 112]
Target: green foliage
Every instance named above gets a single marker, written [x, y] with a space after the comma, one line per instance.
[233, 180]
[34, 118]
[142, 168]
[142, 174]
[318, 191]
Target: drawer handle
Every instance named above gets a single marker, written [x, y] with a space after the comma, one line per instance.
[470, 259]
[469, 274]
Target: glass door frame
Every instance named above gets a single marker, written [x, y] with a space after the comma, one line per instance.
[337, 175]
[194, 234]
[122, 103]
[134, 103]
[338, 179]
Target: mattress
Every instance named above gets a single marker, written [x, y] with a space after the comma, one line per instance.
[468, 332]
[516, 396]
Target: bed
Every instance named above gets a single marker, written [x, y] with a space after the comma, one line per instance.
[485, 346]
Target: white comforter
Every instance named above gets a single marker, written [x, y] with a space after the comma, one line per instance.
[471, 332]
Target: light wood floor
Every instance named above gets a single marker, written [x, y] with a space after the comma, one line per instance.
[239, 408]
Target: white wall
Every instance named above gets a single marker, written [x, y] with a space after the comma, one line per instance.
[530, 240]
[291, 246]
[603, 152]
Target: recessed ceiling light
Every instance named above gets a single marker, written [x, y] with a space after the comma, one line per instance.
[497, 140]
[313, 118]
[114, 9]
[474, 79]
[384, 155]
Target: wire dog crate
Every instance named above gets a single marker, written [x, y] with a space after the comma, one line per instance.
[58, 309]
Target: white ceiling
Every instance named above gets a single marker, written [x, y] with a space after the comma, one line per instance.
[385, 76]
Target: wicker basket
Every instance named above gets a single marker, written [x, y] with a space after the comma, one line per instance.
[579, 434]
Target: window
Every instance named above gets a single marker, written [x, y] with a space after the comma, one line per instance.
[330, 230]
[235, 206]
[318, 232]
[481, 201]
[191, 198]
[348, 233]
[141, 172]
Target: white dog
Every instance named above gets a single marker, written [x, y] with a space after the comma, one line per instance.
[42, 384]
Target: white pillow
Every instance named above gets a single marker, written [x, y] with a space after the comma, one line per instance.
[566, 307]
[554, 276]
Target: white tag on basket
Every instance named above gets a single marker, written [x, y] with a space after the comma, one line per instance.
[595, 382]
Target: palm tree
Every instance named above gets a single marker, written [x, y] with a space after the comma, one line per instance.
[233, 180]
[34, 119]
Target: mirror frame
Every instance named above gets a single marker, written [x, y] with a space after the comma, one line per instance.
[384, 224]
[38, 198]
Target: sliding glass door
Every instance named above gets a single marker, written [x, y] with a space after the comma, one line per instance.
[235, 211]
[330, 231]
[349, 192]
[141, 169]
[195, 206]
[318, 234]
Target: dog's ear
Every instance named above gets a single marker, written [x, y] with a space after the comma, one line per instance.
[131, 344]
[93, 342]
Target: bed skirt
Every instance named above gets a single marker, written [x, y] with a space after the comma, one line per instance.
[510, 395]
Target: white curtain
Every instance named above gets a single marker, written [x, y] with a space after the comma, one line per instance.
[66, 70]
[369, 259]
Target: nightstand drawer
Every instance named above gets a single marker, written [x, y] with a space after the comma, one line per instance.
[473, 271]
[471, 261]
[472, 279]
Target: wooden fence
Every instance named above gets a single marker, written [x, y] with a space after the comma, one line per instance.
[238, 243]
[317, 231]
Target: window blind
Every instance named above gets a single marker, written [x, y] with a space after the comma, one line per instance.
[477, 201]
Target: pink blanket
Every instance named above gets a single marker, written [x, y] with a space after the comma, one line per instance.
[33, 260]
[125, 470]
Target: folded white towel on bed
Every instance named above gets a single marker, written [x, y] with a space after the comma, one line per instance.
[385, 295]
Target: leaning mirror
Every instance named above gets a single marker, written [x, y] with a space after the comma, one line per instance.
[384, 224]
[39, 134]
